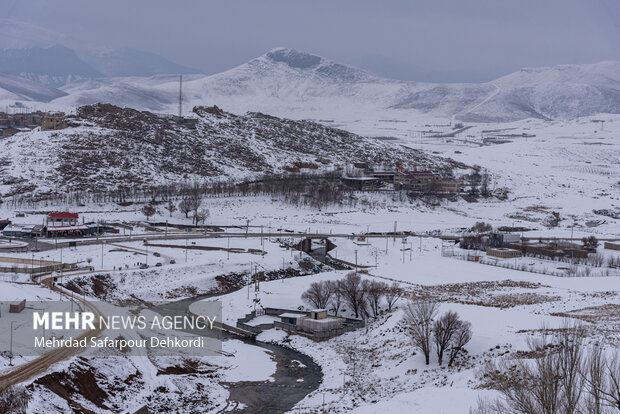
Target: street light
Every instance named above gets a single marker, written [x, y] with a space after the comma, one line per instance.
[11, 356]
[102, 243]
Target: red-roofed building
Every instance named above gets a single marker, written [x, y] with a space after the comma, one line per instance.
[62, 219]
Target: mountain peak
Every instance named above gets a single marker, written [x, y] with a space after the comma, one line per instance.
[293, 58]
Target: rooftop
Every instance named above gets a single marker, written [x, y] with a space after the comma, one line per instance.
[63, 215]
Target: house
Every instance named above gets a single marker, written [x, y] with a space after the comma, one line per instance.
[53, 121]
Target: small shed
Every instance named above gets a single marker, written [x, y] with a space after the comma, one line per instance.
[318, 314]
[291, 318]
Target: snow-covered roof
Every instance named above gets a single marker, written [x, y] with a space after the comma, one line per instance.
[292, 315]
[66, 228]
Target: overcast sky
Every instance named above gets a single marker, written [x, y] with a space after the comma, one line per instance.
[426, 40]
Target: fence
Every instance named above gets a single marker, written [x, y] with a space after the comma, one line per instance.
[507, 264]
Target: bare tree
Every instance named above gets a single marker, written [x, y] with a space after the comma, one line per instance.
[353, 293]
[148, 210]
[337, 296]
[202, 215]
[375, 291]
[444, 329]
[461, 337]
[185, 207]
[603, 381]
[392, 294]
[194, 199]
[171, 207]
[419, 319]
[318, 294]
[550, 384]
[590, 242]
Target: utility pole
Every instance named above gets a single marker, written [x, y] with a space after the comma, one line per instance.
[356, 261]
[394, 232]
[186, 249]
[180, 96]
[11, 360]
[102, 243]
[228, 250]
[247, 226]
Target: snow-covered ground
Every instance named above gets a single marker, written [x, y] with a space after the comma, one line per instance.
[570, 167]
[378, 364]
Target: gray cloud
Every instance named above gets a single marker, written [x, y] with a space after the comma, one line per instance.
[427, 40]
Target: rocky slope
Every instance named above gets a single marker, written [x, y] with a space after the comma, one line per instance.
[110, 148]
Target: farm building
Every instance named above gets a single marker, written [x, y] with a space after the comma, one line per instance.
[503, 252]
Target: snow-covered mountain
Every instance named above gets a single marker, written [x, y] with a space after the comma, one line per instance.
[53, 66]
[111, 148]
[299, 85]
[16, 88]
[294, 84]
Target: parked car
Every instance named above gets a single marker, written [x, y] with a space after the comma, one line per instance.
[158, 264]
[144, 266]
[172, 261]
[156, 254]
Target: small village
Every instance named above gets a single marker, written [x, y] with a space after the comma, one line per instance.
[18, 118]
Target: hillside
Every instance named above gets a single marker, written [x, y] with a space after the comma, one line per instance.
[110, 148]
[19, 88]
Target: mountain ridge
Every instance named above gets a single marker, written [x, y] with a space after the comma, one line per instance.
[295, 84]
